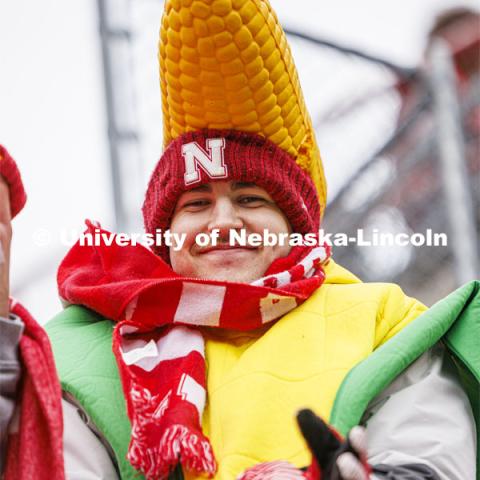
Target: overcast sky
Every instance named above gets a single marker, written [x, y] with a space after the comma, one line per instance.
[52, 109]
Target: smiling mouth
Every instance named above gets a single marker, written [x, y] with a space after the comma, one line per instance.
[226, 248]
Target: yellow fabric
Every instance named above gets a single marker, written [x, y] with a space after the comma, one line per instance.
[227, 64]
[258, 380]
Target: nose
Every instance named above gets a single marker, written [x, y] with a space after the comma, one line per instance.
[224, 217]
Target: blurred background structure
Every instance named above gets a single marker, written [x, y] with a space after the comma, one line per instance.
[426, 173]
[393, 91]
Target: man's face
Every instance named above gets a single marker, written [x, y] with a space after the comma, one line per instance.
[226, 205]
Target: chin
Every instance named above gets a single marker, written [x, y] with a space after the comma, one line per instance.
[233, 275]
[237, 268]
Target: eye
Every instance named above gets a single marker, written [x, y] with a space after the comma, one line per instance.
[251, 200]
[196, 204]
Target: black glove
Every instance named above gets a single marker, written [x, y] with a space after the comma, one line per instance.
[326, 446]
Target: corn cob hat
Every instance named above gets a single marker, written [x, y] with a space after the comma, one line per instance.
[225, 66]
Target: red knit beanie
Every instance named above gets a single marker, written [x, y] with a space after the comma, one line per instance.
[10, 173]
[199, 157]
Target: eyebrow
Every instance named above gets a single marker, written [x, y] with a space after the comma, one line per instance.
[201, 188]
[238, 185]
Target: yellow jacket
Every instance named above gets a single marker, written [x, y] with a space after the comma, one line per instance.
[258, 380]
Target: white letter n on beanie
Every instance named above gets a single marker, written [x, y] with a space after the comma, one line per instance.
[195, 156]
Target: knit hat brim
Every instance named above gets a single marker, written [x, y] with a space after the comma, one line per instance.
[9, 171]
[247, 158]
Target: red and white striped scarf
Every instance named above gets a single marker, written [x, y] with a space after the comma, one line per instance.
[158, 345]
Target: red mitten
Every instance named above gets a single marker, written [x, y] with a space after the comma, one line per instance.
[10, 173]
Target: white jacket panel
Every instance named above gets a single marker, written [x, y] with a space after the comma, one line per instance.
[424, 416]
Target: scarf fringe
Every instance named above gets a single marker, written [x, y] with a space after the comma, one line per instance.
[177, 445]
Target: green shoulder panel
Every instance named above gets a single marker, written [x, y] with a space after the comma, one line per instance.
[463, 340]
[82, 347]
[456, 320]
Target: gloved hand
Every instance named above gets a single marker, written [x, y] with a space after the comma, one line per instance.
[333, 457]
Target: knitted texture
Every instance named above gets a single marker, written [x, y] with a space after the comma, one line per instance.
[9, 171]
[248, 158]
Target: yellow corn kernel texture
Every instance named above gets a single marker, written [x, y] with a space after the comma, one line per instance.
[227, 64]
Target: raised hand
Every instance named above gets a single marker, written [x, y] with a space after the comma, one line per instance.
[12, 200]
[5, 240]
